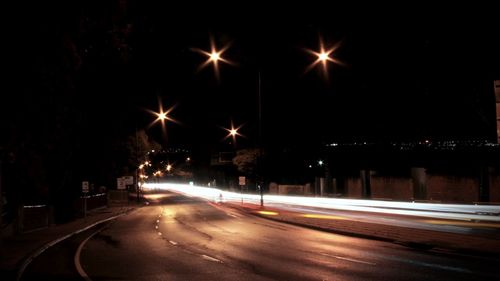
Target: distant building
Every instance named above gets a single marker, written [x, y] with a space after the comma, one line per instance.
[497, 98]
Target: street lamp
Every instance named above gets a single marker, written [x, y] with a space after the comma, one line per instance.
[162, 116]
[214, 57]
[323, 56]
[233, 132]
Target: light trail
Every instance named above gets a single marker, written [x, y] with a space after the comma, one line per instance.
[490, 213]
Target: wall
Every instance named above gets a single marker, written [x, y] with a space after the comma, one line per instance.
[394, 188]
[495, 188]
[353, 188]
[283, 189]
[452, 189]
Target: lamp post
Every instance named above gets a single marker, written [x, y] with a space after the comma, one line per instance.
[259, 163]
[138, 161]
[214, 57]
[323, 57]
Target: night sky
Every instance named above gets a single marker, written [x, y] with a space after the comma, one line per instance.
[408, 72]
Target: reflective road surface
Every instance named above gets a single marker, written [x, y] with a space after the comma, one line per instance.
[185, 238]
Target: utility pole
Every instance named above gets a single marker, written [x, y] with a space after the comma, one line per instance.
[260, 180]
[1, 203]
[138, 163]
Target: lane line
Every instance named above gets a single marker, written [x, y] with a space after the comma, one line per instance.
[38, 252]
[348, 259]
[211, 258]
[76, 259]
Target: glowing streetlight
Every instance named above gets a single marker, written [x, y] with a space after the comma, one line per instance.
[233, 132]
[162, 116]
[323, 57]
[213, 57]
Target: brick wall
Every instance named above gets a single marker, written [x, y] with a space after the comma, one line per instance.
[395, 188]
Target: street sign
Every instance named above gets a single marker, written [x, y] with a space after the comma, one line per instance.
[129, 180]
[242, 180]
[85, 186]
[120, 183]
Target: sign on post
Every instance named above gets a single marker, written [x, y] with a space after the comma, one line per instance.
[85, 186]
[120, 183]
[241, 180]
[129, 180]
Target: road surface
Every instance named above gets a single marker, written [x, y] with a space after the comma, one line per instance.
[185, 238]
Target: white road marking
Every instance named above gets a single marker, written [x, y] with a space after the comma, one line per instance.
[211, 258]
[38, 252]
[348, 259]
[76, 258]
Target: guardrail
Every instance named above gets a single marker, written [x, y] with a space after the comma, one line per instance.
[33, 217]
[91, 202]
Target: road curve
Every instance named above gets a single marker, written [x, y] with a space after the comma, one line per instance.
[184, 238]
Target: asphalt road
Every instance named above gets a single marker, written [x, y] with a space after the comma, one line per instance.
[184, 238]
[57, 262]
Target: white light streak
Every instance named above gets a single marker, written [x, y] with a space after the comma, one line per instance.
[433, 210]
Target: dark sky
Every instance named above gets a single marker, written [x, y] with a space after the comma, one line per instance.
[409, 72]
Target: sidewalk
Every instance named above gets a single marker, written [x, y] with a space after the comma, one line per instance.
[17, 248]
[416, 238]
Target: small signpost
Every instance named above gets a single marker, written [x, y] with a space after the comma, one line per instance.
[120, 183]
[242, 182]
[129, 180]
[85, 190]
[85, 186]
